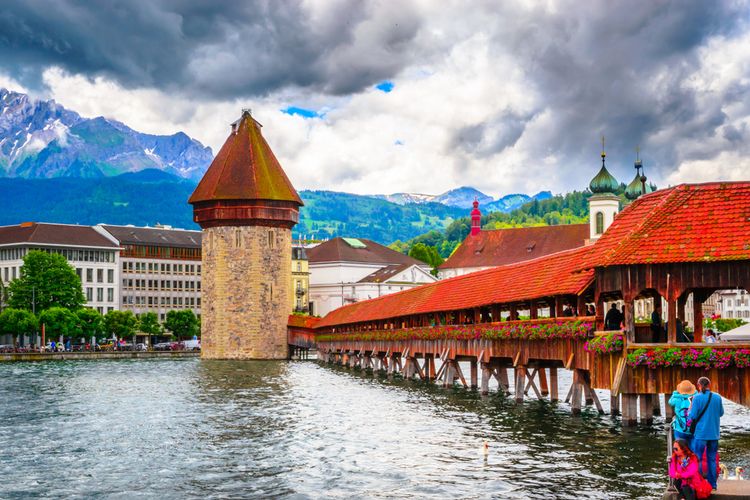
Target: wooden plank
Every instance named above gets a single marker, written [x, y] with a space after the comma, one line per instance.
[553, 388]
[531, 379]
[621, 365]
[569, 363]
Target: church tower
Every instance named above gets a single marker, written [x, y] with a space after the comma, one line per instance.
[476, 219]
[246, 207]
[604, 204]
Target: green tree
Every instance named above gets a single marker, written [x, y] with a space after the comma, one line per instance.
[90, 322]
[148, 323]
[419, 251]
[17, 322]
[121, 324]
[59, 321]
[47, 280]
[3, 296]
[184, 324]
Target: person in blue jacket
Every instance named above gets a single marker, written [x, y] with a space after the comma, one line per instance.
[681, 400]
[706, 435]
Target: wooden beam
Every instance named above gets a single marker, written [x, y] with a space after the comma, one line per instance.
[486, 373]
[520, 378]
[474, 373]
[668, 410]
[614, 404]
[621, 364]
[576, 395]
[543, 382]
[569, 364]
[629, 410]
[591, 393]
[647, 408]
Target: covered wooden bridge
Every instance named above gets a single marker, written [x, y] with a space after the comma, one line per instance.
[529, 317]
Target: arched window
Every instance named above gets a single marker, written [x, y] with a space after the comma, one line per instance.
[599, 223]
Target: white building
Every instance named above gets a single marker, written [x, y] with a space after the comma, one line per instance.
[160, 268]
[733, 304]
[93, 254]
[347, 270]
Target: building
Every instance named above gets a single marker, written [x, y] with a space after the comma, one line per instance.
[160, 269]
[733, 304]
[300, 280]
[246, 207]
[93, 253]
[347, 270]
[484, 249]
[604, 204]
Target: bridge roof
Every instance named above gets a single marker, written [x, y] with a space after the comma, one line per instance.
[686, 223]
[302, 321]
[533, 279]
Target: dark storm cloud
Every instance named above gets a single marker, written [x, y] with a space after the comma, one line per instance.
[491, 137]
[622, 69]
[218, 49]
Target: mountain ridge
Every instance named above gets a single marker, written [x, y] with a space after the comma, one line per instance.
[43, 139]
[464, 196]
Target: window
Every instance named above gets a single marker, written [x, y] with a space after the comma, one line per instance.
[110, 294]
[79, 272]
[100, 275]
[90, 275]
[100, 294]
[89, 294]
[270, 239]
[110, 275]
[599, 223]
[299, 266]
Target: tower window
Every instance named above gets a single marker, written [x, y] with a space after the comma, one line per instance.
[237, 238]
[599, 223]
[270, 239]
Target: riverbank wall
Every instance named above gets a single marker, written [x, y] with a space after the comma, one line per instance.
[67, 356]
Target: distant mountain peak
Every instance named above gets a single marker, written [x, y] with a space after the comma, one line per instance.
[464, 196]
[43, 139]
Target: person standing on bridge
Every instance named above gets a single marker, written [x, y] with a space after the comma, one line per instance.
[681, 400]
[704, 420]
[613, 320]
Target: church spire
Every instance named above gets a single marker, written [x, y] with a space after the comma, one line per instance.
[476, 219]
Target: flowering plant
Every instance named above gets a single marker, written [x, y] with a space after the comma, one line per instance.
[527, 330]
[689, 358]
[605, 344]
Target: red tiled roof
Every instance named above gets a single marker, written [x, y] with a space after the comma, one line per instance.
[338, 250]
[686, 223]
[54, 234]
[245, 169]
[300, 321]
[507, 246]
[544, 277]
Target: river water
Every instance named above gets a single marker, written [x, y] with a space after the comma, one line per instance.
[197, 429]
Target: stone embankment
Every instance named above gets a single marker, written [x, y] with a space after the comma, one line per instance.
[66, 356]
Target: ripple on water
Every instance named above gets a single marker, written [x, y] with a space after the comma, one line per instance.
[189, 429]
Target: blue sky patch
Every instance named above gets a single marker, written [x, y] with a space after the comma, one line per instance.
[304, 113]
[385, 86]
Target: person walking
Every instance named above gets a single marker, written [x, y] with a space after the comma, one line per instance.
[681, 400]
[704, 419]
[657, 327]
[613, 319]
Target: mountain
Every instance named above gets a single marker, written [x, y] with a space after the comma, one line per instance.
[42, 139]
[463, 197]
[153, 196]
[511, 202]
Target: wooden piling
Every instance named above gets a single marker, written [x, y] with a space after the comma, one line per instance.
[553, 388]
[668, 410]
[657, 405]
[486, 373]
[576, 393]
[647, 409]
[629, 410]
[474, 373]
[614, 404]
[543, 382]
[520, 382]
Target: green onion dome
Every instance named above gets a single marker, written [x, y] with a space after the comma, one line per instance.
[604, 182]
[635, 188]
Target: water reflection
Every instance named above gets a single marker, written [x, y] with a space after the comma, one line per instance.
[185, 428]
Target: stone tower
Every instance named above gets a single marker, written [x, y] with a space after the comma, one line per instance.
[247, 208]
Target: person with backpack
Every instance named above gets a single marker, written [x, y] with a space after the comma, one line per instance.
[704, 419]
[680, 402]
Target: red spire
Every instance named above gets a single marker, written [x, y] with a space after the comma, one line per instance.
[245, 185]
[476, 219]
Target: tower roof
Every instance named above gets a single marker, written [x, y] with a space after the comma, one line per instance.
[245, 169]
[635, 188]
[603, 182]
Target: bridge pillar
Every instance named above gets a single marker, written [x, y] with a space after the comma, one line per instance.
[473, 382]
[429, 367]
[543, 382]
[614, 404]
[520, 383]
[576, 392]
[657, 405]
[486, 374]
[629, 410]
[647, 409]
[553, 390]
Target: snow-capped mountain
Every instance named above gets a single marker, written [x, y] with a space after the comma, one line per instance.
[463, 197]
[42, 139]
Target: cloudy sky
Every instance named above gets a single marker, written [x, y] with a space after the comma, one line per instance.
[418, 96]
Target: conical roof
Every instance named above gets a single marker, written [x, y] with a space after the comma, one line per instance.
[245, 169]
[603, 182]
